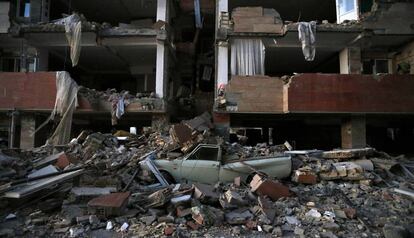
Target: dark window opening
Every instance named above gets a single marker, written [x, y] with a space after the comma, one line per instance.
[375, 66]
[10, 64]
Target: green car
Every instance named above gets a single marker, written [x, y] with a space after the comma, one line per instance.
[205, 164]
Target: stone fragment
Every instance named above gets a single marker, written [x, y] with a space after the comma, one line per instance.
[205, 193]
[148, 220]
[395, 231]
[332, 226]
[94, 220]
[238, 217]
[267, 228]
[351, 213]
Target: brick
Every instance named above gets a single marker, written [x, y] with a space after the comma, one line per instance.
[350, 213]
[270, 188]
[304, 177]
[62, 161]
[169, 230]
[182, 212]
[247, 12]
[108, 205]
[268, 28]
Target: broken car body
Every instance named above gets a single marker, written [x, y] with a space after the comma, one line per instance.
[207, 164]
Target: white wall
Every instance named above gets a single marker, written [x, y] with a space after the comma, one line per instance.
[4, 17]
[344, 61]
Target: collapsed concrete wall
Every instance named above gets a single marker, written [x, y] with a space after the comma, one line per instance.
[404, 61]
[391, 18]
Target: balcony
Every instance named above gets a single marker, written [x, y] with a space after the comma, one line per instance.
[320, 93]
[37, 92]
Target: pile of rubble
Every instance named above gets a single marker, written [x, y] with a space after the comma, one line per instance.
[96, 186]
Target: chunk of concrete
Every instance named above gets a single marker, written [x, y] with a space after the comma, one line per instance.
[205, 193]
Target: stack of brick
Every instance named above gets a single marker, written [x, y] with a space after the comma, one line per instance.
[242, 92]
[257, 20]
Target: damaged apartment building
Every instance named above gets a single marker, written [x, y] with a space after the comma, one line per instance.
[319, 74]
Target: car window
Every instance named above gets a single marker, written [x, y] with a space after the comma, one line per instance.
[205, 153]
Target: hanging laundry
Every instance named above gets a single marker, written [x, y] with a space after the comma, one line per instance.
[307, 36]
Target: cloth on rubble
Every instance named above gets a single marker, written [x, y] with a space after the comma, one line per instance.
[65, 104]
[307, 36]
[73, 29]
[247, 57]
[120, 108]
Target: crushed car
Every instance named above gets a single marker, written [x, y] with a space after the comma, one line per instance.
[207, 164]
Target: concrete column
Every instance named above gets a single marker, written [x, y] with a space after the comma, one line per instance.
[12, 128]
[350, 60]
[222, 124]
[222, 64]
[43, 56]
[353, 132]
[221, 6]
[161, 74]
[162, 10]
[28, 126]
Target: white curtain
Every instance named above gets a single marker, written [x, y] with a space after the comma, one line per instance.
[247, 57]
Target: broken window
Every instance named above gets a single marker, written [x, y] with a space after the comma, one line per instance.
[346, 10]
[23, 8]
[205, 153]
[346, 6]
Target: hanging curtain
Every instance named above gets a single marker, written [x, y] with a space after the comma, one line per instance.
[247, 57]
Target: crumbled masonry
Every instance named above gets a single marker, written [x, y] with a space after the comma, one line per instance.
[340, 193]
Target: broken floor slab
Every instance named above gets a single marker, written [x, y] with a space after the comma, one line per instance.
[25, 189]
[348, 153]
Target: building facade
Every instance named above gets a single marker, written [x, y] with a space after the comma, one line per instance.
[319, 74]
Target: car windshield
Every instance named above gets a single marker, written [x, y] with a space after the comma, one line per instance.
[205, 153]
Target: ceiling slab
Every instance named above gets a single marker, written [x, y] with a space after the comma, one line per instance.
[115, 11]
[57, 39]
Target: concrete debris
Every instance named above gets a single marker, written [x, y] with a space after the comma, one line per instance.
[100, 189]
[205, 193]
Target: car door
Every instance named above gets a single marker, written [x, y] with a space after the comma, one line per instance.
[202, 165]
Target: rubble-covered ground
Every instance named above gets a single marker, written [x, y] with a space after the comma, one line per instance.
[95, 187]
